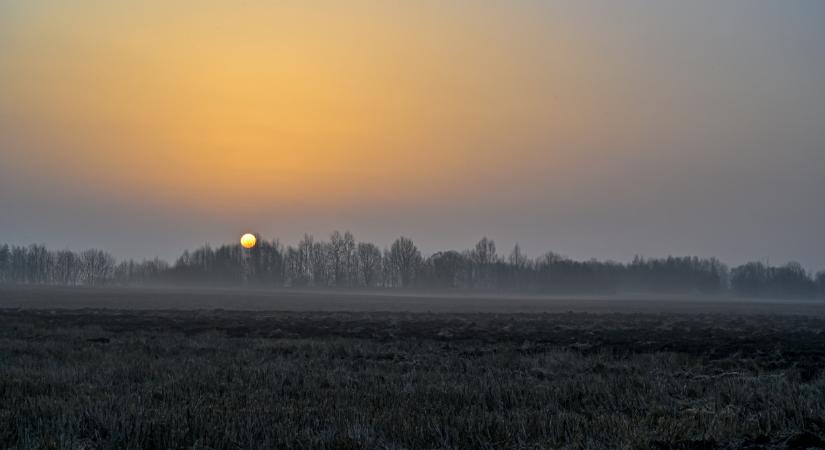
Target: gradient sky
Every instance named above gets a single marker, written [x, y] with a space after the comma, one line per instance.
[591, 128]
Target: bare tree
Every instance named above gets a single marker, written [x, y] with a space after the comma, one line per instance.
[305, 260]
[97, 267]
[350, 259]
[447, 268]
[67, 268]
[518, 273]
[342, 262]
[38, 264]
[5, 263]
[483, 258]
[369, 263]
[517, 258]
[17, 267]
[341, 259]
[318, 263]
[405, 259]
[389, 275]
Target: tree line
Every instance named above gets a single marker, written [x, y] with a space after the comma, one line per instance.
[342, 262]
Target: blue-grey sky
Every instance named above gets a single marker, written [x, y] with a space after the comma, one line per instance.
[595, 129]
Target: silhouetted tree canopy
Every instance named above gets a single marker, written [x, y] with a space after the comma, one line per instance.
[757, 279]
[342, 262]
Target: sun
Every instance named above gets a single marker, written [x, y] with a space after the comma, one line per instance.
[248, 240]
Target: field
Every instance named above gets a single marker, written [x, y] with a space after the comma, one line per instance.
[159, 368]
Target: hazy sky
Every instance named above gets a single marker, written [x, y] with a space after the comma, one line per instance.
[591, 128]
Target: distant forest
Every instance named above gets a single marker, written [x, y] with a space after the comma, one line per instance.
[341, 262]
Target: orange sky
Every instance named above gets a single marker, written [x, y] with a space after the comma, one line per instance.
[592, 128]
[213, 105]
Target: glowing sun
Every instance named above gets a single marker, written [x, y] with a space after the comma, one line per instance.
[248, 240]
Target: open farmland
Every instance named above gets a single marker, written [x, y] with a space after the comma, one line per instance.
[181, 298]
[381, 377]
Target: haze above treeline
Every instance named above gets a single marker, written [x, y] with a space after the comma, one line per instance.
[342, 262]
[597, 128]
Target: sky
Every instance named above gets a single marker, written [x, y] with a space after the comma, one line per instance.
[594, 129]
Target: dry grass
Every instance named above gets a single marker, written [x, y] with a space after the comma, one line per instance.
[104, 379]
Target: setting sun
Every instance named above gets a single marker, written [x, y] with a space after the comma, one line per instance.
[248, 240]
[468, 200]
